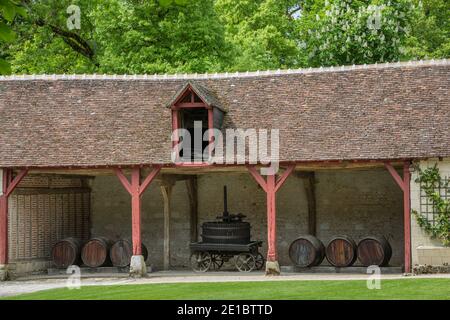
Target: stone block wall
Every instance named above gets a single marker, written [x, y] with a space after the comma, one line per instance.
[359, 204]
[352, 202]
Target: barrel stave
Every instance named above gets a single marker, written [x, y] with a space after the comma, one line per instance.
[374, 251]
[306, 251]
[95, 252]
[66, 252]
[341, 251]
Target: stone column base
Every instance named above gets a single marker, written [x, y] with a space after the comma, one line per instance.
[3, 272]
[137, 267]
[272, 268]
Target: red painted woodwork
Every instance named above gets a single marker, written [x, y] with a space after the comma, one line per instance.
[136, 189]
[180, 103]
[190, 105]
[211, 131]
[8, 184]
[404, 184]
[271, 186]
[407, 215]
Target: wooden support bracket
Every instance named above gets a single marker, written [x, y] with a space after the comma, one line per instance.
[8, 185]
[404, 184]
[136, 189]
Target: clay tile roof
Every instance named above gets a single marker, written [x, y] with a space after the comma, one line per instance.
[376, 112]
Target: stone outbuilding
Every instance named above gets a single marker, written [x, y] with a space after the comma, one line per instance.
[103, 155]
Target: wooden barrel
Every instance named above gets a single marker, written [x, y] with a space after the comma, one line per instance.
[121, 252]
[95, 252]
[66, 253]
[306, 251]
[374, 251]
[341, 251]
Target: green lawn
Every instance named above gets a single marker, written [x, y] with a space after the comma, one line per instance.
[390, 289]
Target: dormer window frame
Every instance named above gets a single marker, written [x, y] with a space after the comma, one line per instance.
[180, 105]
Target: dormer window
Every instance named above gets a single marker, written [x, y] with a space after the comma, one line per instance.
[195, 109]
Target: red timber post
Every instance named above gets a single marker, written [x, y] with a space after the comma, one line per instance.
[404, 184]
[8, 186]
[271, 185]
[136, 189]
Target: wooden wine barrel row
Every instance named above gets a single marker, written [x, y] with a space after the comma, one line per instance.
[95, 253]
[306, 251]
[66, 252]
[374, 251]
[121, 253]
[341, 251]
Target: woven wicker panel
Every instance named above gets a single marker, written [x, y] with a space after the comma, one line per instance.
[35, 182]
[38, 221]
[61, 182]
[12, 227]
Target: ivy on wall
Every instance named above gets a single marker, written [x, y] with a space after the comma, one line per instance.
[431, 183]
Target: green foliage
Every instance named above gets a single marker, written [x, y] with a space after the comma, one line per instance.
[430, 180]
[263, 33]
[9, 9]
[126, 36]
[159, 36]
[430, 30]
[149, 38]
[356, 32]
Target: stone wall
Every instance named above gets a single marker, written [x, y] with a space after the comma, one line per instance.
[111, 207]
[358, 204]
[418, 237]
[352, 202]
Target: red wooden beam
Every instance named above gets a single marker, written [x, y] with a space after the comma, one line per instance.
[126, 184]
[283, 177]
[271, 219]
[271, 185]
[14, 182]
[404, 184]
[4, 218]
[188, 105]
[136, 211]
[8, 186]
[407, 215]
[257, 177]
[211, 131]
[3, 230]
[395, 175]
[149, 179]
[136, 189]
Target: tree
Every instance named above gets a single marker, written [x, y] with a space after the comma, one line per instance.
[120, 36]
[170, 36]
[262, 33]
[430, 30]
[148, 37]
[9, 10]
[355, 32]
